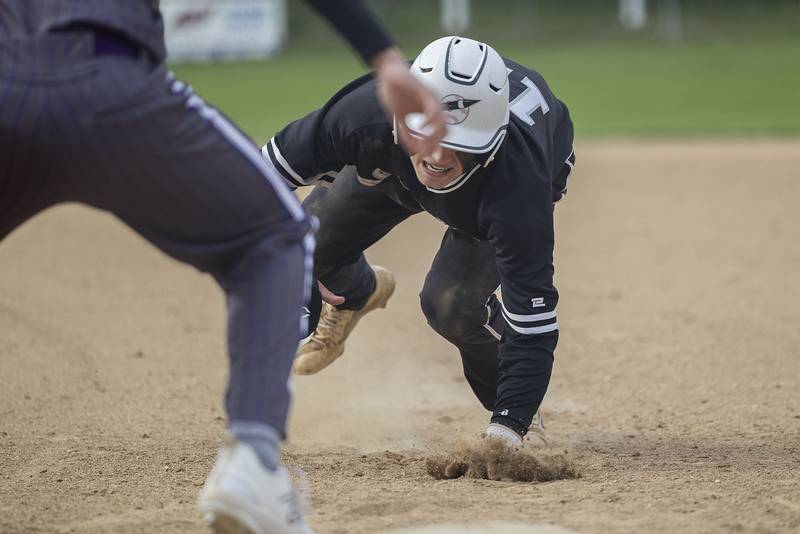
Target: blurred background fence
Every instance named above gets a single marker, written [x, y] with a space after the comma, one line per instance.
[687, 68]
[553, 23]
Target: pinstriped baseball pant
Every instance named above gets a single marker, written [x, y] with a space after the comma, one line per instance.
[121, 135]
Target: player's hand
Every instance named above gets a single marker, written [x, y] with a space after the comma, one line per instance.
[313, 309]
[329, 296]
[401, 94]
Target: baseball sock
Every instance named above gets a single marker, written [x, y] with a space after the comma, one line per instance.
[263, 438]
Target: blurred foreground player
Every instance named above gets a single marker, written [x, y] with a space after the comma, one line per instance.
[493, 181]
[89, 113]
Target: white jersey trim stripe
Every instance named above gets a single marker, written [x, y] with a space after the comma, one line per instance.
[265, 152]
[533, 329]
[571, 166]
[455, 184]
[285, 164]
[488, 327]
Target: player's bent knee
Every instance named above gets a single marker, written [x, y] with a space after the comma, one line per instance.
[448, 313]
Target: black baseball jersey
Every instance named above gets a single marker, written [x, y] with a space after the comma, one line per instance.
[509, 203]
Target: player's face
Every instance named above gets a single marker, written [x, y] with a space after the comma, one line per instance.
[439, 169]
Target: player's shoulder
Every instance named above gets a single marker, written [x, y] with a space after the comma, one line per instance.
[521, 76]
[514, 200]
[517, 174]
[519, 161]
[515, 67]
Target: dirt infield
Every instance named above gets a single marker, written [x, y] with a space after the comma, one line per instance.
[676, 387]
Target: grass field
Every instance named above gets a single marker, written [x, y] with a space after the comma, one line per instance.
[734, 76]
[703, 89]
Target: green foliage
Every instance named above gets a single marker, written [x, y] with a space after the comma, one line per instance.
[736, 71]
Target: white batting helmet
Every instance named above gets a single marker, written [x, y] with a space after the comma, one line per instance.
[471, 80]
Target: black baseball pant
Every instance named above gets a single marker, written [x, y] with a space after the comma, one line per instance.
[118, 133]
[458, 296]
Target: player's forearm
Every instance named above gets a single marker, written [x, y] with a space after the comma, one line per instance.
[358, 25]
[525, 367]
[388, 58]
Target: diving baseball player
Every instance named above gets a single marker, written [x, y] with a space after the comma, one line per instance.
[90, 114]
[494, 181]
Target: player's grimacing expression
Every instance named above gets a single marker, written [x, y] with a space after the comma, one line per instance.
[438, 169]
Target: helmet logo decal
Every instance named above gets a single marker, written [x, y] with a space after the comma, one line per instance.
[456, 108]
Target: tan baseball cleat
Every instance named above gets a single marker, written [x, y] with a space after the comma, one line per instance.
[327, 342]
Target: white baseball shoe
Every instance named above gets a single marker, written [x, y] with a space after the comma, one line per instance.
[537, 428]
[327, 342]
[241, 496]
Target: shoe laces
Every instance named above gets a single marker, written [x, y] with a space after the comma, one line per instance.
[331, 325]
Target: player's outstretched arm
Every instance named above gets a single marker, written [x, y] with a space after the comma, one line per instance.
[399, 92]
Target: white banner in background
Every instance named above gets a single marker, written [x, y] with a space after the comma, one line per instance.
[633, 14]
[455, 15]
[200, 30]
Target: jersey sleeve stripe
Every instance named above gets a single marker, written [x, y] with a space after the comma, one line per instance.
[266, 152]
[527, 318]
[294, 177]
[534, 329]
[512, 318]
